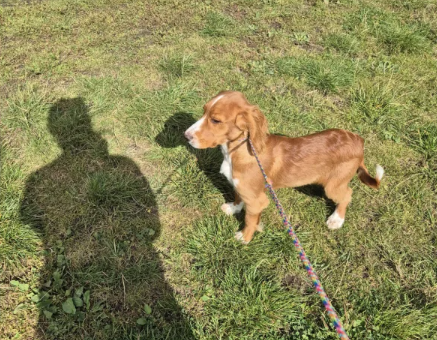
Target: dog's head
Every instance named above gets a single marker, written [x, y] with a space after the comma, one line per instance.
[227, 117]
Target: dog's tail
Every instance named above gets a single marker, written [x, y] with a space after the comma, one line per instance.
[368, 180]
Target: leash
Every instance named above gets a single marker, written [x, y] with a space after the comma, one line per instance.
[317, 284]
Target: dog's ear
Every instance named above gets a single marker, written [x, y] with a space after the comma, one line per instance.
[253, 121]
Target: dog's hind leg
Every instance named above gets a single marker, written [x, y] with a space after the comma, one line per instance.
[337, 189]
[342, 195]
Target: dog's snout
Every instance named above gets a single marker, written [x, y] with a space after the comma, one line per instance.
[188, 135]
[191, 132]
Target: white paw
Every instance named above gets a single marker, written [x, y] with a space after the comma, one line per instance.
[239, 237]
[260, 227]
[227, 208]
[231, 208]
[379, 172]
[335, 221]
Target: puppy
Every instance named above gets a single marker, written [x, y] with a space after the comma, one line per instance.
[329, 158]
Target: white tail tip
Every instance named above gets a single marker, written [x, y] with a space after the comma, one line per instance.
[379, 172]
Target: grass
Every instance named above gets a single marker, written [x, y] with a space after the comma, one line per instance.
[177, 66]
[110, 224]
[342, 42]
[325, 75]
[217, 25]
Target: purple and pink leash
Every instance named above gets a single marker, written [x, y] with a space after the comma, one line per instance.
[317, 284]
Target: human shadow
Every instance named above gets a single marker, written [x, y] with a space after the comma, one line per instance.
[97, 218]
[208, 160]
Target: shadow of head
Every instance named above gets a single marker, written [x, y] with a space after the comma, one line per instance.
[172, 135]
[69, 122]
[208, 160]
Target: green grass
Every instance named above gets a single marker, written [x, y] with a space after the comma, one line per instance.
[110, 224]
[325, 75]
[217, 25]
[177, 66]
[342, 42]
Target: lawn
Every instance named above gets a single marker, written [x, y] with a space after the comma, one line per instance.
[110, 224]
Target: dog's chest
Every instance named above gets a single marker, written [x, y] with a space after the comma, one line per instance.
[226, 168]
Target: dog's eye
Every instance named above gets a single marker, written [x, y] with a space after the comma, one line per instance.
[215, 121]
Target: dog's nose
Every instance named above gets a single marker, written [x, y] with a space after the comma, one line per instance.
[188, 135]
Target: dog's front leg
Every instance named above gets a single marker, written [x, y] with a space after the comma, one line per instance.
[252, 220]
[235, 207]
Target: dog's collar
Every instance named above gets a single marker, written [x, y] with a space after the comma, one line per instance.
[240, 139]
[241, 142]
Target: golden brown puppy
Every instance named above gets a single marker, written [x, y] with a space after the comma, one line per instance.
[329, 158]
